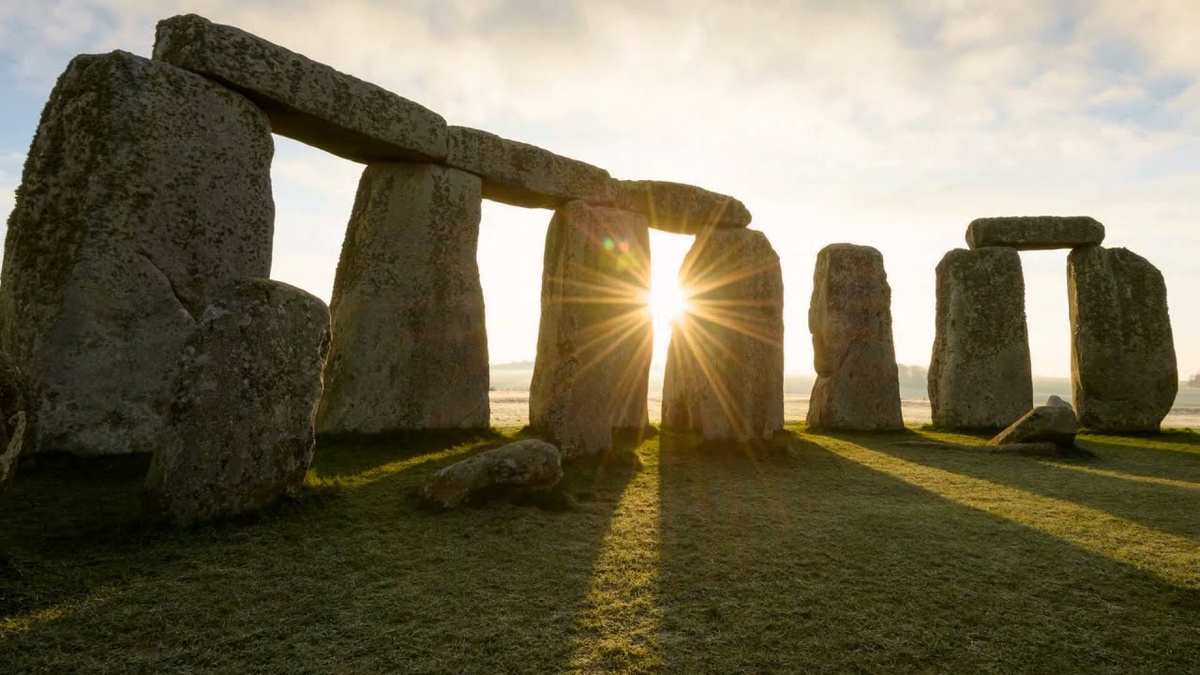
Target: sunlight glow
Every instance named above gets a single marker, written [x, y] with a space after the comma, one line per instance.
[668, 302]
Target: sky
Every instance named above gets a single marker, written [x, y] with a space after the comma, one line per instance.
[890, 124]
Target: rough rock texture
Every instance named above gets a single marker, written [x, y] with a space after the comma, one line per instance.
[676, 207]
[14, 417]
[409, 339]
[1047, 423]
[595, 338]
[521, 174]
[1123, 367]
[146, 189]
[240, 431]
[724, 375]
[980, 376]
[1057, 401]
[850, 317]
[1035, 233]
[306, 100]
[510, 472]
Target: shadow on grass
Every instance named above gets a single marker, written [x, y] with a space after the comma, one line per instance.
[822, 564]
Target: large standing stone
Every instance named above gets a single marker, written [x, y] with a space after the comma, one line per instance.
[241, 431]
[409, 340]
[14, 417]
[595, 338]
[850, 317]
[521, 174]
[724, 376]
[980, 373]
[146, 189]
[1035, 233]
[511, 471]
[676, 207]
[1123, 365]
[306, 100]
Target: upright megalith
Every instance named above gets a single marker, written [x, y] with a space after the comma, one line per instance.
[980, 374]
[595, 337]
[850, 317]
[1123, 367]
[146, 189]
[724, 376]
[240, 431]
[306, 100]
[409, 339]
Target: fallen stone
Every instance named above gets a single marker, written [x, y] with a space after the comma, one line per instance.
[521, 174]
[1048, 423]
[980, 376]
[14, 417]
[850, 317]
[675, 207]
[307, 101]
[241, 433]
[410, 347]
[1123, 367]
[1035, 233]
[724, 374]
[145, 190]
[510, 472]
[595, 337]
[1056, 401]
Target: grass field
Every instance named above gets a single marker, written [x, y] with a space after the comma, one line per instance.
[835, 553]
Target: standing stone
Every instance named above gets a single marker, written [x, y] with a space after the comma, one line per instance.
[858, 384]
[14, 417]
[724, 376]
[409, 340]
[1123, 367]
[240, 432]
[306, 100]
[146, 189]
[595, 337]
[980, 375]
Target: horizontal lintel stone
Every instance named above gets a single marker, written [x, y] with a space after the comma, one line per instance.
[305, 100]
[676, 207]
[1035, 233]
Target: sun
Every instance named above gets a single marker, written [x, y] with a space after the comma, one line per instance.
[668, 302]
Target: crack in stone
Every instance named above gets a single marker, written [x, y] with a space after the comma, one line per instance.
[195, 315]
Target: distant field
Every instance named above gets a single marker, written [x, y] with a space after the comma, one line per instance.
[825, 553]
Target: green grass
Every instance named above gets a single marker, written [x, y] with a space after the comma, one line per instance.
[835, 553]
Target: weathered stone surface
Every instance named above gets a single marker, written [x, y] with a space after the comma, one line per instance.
[980, 376]
[1057, 401]
[306, 100]
[1035, 233]
[146, 189]
[1123, 367]
[850, 317]
[509, 472]
[240, 432]
[724, 375]
[14, 417]
[409, 339]
[676, 207]
[1047, 423]
[521, 174]
[595, 337]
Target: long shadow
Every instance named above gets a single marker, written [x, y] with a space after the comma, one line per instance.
[1164, 507]
[1172, 460]
[355, 579]
[816, 563]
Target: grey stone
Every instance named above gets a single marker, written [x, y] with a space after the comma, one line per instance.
[1035, 233]
[1048, 423]
[306, 100]
[521, 174]
[240, 433]
[1057, 401]
[14, 417]
[511, 471]
[410, 344]
[850, 317]
[724, 374]
[146, 189]
[1123, 367]
[979, 376]
[595, 337]
[676, 207]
